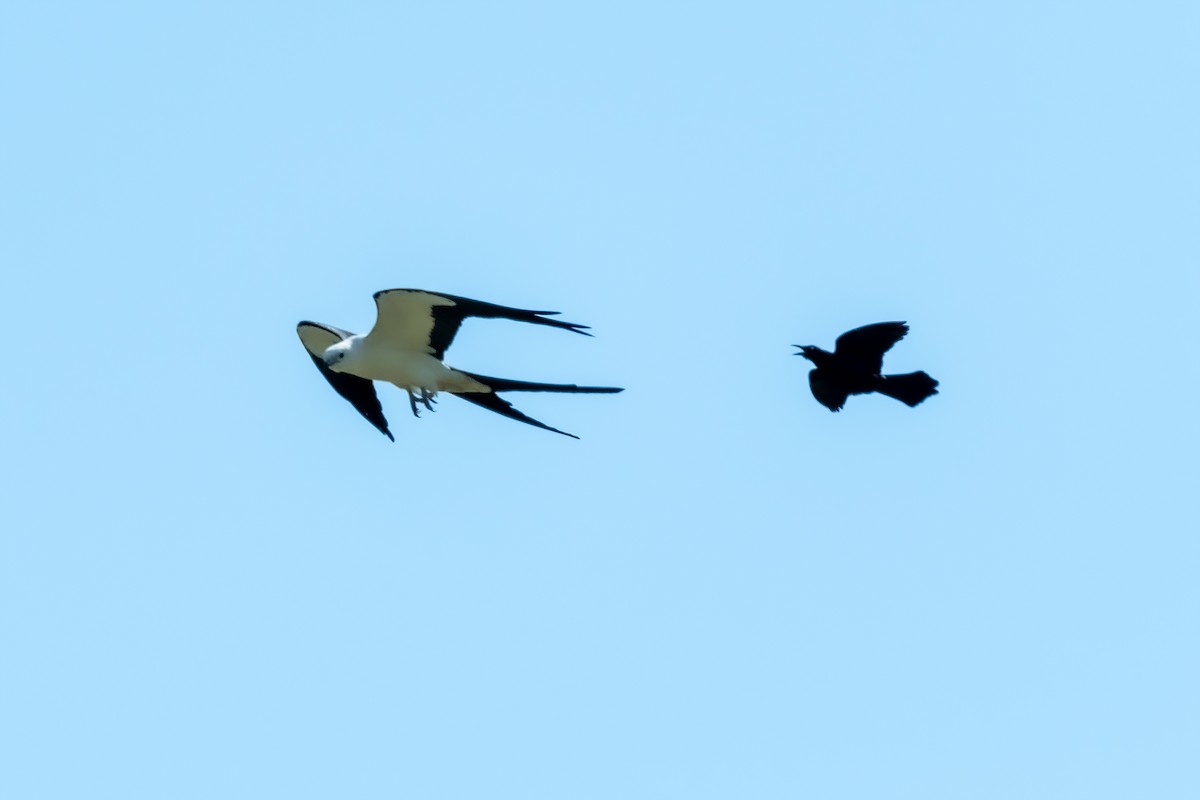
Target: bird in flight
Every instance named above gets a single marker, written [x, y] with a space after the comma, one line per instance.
[856, 365]
[413, 329]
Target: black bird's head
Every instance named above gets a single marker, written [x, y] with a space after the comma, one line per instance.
[808, 351]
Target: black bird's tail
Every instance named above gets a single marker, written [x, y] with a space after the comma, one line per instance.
[493, 402]
[911, 388]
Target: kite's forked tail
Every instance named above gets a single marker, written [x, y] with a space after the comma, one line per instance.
[493, 402]
[506, 385]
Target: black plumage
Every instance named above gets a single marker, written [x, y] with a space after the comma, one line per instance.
[856, 367]
[359, 391]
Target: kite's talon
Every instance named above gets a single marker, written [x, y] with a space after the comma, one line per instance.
[426, 399]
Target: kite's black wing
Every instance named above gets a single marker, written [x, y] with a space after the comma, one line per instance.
[316, 338]
[420, 321]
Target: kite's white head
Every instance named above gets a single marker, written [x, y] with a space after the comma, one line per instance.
[336, 355]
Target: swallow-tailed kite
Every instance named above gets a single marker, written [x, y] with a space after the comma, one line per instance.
[406, 348]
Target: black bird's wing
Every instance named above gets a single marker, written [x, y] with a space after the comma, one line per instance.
[316, 338]
[426, 322]
[864, 347]
[829, 393]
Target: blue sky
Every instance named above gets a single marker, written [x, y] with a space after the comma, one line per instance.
[216, 580]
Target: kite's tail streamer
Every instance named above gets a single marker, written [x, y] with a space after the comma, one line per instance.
[493, 402]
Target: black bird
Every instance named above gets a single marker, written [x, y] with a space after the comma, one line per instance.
[856, 365]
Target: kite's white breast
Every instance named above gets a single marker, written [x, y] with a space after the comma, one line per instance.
[407, 369]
